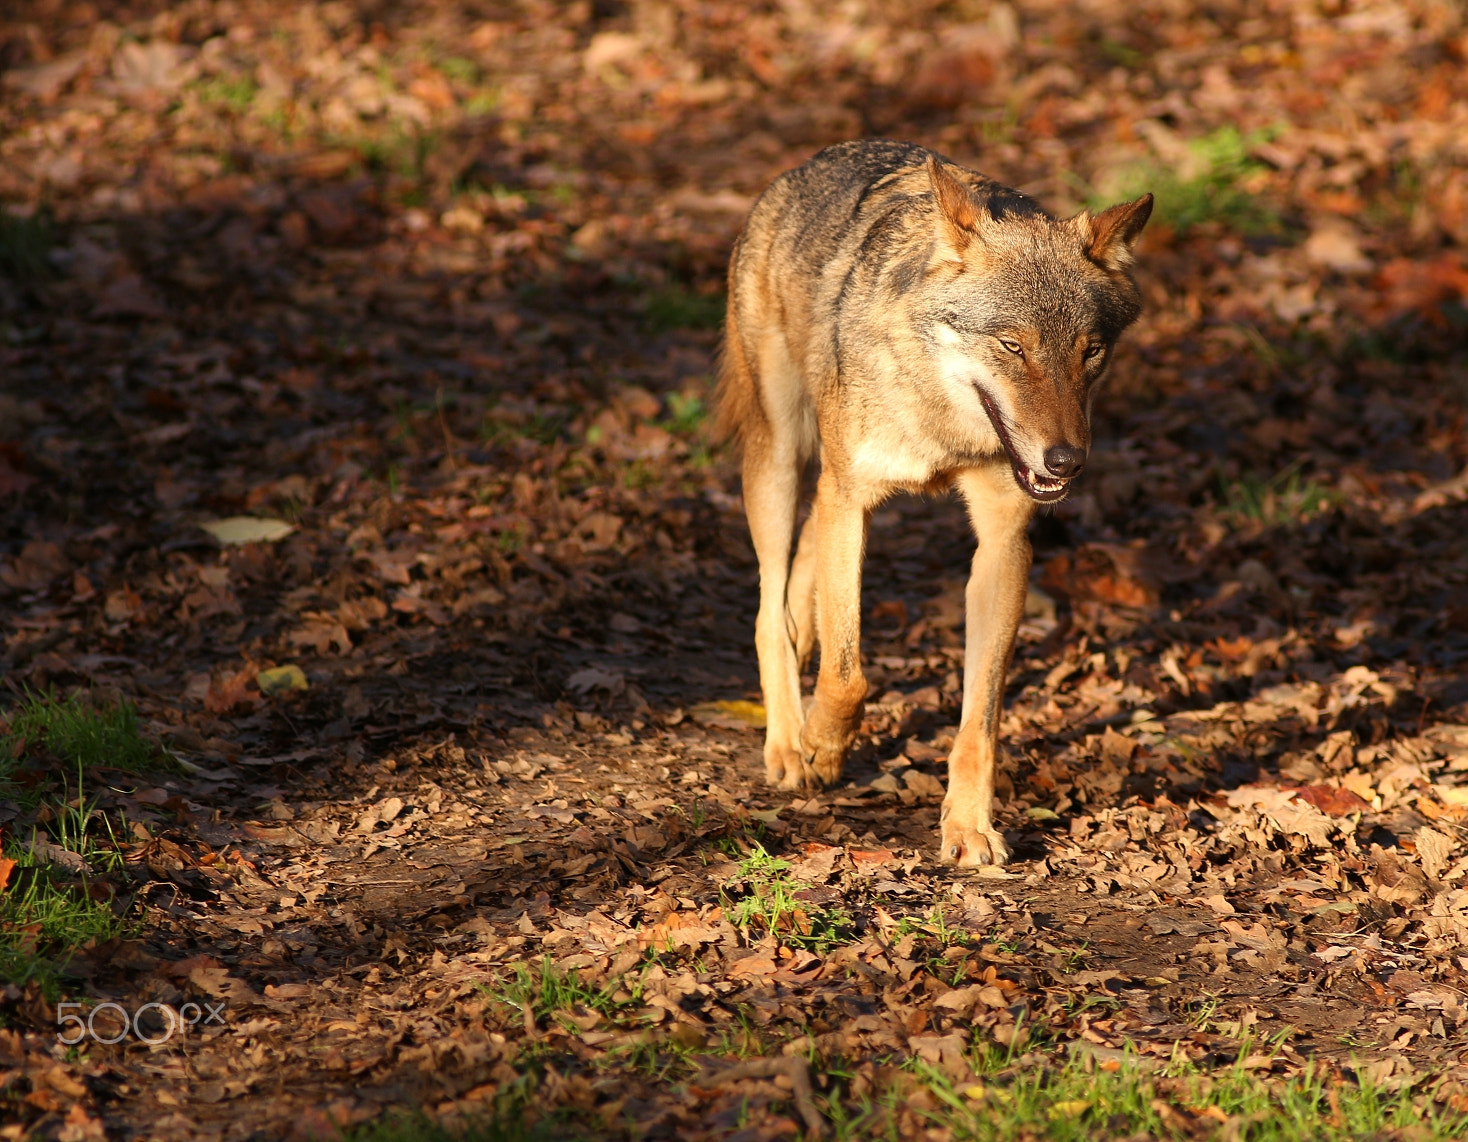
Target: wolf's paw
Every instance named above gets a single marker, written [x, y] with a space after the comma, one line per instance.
[967, 838]
[825, 743]
[971, 848]
[826, 764]
[786, 768]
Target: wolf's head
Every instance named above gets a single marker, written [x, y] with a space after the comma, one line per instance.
[1024, 310]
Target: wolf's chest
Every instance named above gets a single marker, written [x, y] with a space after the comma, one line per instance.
[890, 459]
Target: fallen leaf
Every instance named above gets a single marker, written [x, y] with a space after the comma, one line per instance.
[1333, 800]
[596, 678]
[1433, 850]
[732, 714]
[242, 529]
[281, 679]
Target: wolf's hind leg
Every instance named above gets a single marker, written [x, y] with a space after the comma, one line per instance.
[994, 603]
[801, 593]
[771, 490]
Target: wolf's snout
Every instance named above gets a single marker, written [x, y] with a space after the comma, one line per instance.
[1064, 461]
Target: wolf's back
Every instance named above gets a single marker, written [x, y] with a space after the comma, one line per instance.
[814, 213]
[802, 238]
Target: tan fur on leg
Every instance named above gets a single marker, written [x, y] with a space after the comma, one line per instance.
[841, 688]
[801, 593]
[994, 600]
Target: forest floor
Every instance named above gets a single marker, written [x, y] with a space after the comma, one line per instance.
[440, 791]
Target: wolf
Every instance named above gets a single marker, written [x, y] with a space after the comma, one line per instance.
[911, 325]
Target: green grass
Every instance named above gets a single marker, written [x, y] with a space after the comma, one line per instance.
[1116, 52]
[77, 734]
[677, 307]
[47, 907]
[395, 149]
[686, 413]
[53, 902]
[234, 92]
[24, 246]
[550, 993]
[1281, 499]
[1212, 192]
[1077, 1101]
[481, 103]
[766, 901]
[460, 70]
[43, 916]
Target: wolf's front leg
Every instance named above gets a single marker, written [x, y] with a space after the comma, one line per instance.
[994, 603]
[841, 688]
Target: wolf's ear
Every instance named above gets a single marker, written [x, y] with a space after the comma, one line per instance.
[1114, 232]
[955, 202]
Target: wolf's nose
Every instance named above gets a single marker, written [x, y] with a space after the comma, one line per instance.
[1064, 461]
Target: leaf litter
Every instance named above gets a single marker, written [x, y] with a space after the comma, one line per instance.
[444, 759]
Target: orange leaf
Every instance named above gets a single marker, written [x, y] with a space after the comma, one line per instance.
[1332, 800]
[1230, 650]
[5, 867]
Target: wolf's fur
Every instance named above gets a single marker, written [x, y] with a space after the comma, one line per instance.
[914, 325]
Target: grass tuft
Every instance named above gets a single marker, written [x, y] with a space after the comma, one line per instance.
[1279, 500]
[77, 734]
[686, 413]
[551, 992]
[770, 901]
[234, 92]
[1213, 186]
[51, 900]
[1081, 1099]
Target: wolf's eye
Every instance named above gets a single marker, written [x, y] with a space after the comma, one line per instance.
[1013, 346]
[1093, 352]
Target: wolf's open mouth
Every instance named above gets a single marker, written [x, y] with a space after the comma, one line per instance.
[1040, 487]
[1043, 488]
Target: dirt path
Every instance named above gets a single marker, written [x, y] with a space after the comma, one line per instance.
[509, 847]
